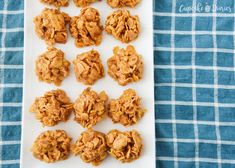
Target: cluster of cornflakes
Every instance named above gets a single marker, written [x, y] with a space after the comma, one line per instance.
[86, 28]
[52, 108]
[90, 107]
[88, 67]
[52, 146]
[123, 3]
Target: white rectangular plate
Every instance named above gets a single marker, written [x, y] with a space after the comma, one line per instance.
[33, 88]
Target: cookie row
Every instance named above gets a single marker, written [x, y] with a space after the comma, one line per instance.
[89, 108]
[92, 146]
[82, 3]
[124, 66]
[85, 28]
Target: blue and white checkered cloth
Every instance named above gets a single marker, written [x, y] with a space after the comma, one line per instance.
[195, 83]
[194, 57]
[11, 78]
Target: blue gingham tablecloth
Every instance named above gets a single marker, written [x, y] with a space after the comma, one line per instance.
[194, 61]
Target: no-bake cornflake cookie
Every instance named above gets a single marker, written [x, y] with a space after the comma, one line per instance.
[52, 67]
[91, 146]
[125, 65]
[123, 26]
[52, 108]
[127, 109]
[52, 146]
[82, 3]
[90, 107]
[123, 3]
[86, 28]
[124, 146]
[88, 67]
[50, 26]
[56, 3]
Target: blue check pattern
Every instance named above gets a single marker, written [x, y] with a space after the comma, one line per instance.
[11, 79]
[194, 69]
[194, 60]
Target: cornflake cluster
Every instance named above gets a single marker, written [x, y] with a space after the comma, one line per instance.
[82, 3]
[52, 146]
[86, 28]
[91, 146]
[126, 110]
[90, 107]
[53, 107]
[52, 67]
[123, 3]
[123, 26]
[125, 65]
[124, 146]
[88, 67]
[50, 26]
[56, 3]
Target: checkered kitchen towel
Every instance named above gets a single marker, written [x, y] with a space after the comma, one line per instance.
[194, 82]
[194, 60]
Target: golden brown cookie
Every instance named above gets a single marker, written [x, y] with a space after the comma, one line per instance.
[90, 107]
[127, 109]
[126, 65]
[52, 108]
[52, 67]
[124, 146]
[56, 3]
[123, 26]
[88, 67]
[123, 3]
[52, 146]
[50, 26]
[82, 3]
[86, 28]
[91, 146]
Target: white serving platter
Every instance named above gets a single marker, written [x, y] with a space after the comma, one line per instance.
[34, 46]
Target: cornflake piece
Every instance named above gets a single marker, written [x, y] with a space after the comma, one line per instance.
[123, 3]
[86, 28]
[50, 26]
[52, 67]
[52, 108]
[56, 3]
[90, 107]
[88, 67]
[123, 26]
[125, 65]
[124, 146]
[91, 146]
[82, 3]
[127, 109]
[52, 146]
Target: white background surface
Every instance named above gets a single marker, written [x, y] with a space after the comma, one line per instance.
[32, 87]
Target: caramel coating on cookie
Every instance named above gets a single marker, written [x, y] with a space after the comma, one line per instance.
[90, 107]
[124, 146]
[123, 26]
[127, 109]
[88, 67]
[123, 3]
[52, 67]
[50, 26]
[56, 3]
[52, 108]
[82, 3]
[52, 146]
[91, 146]
[126, 65]
[86, 28]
